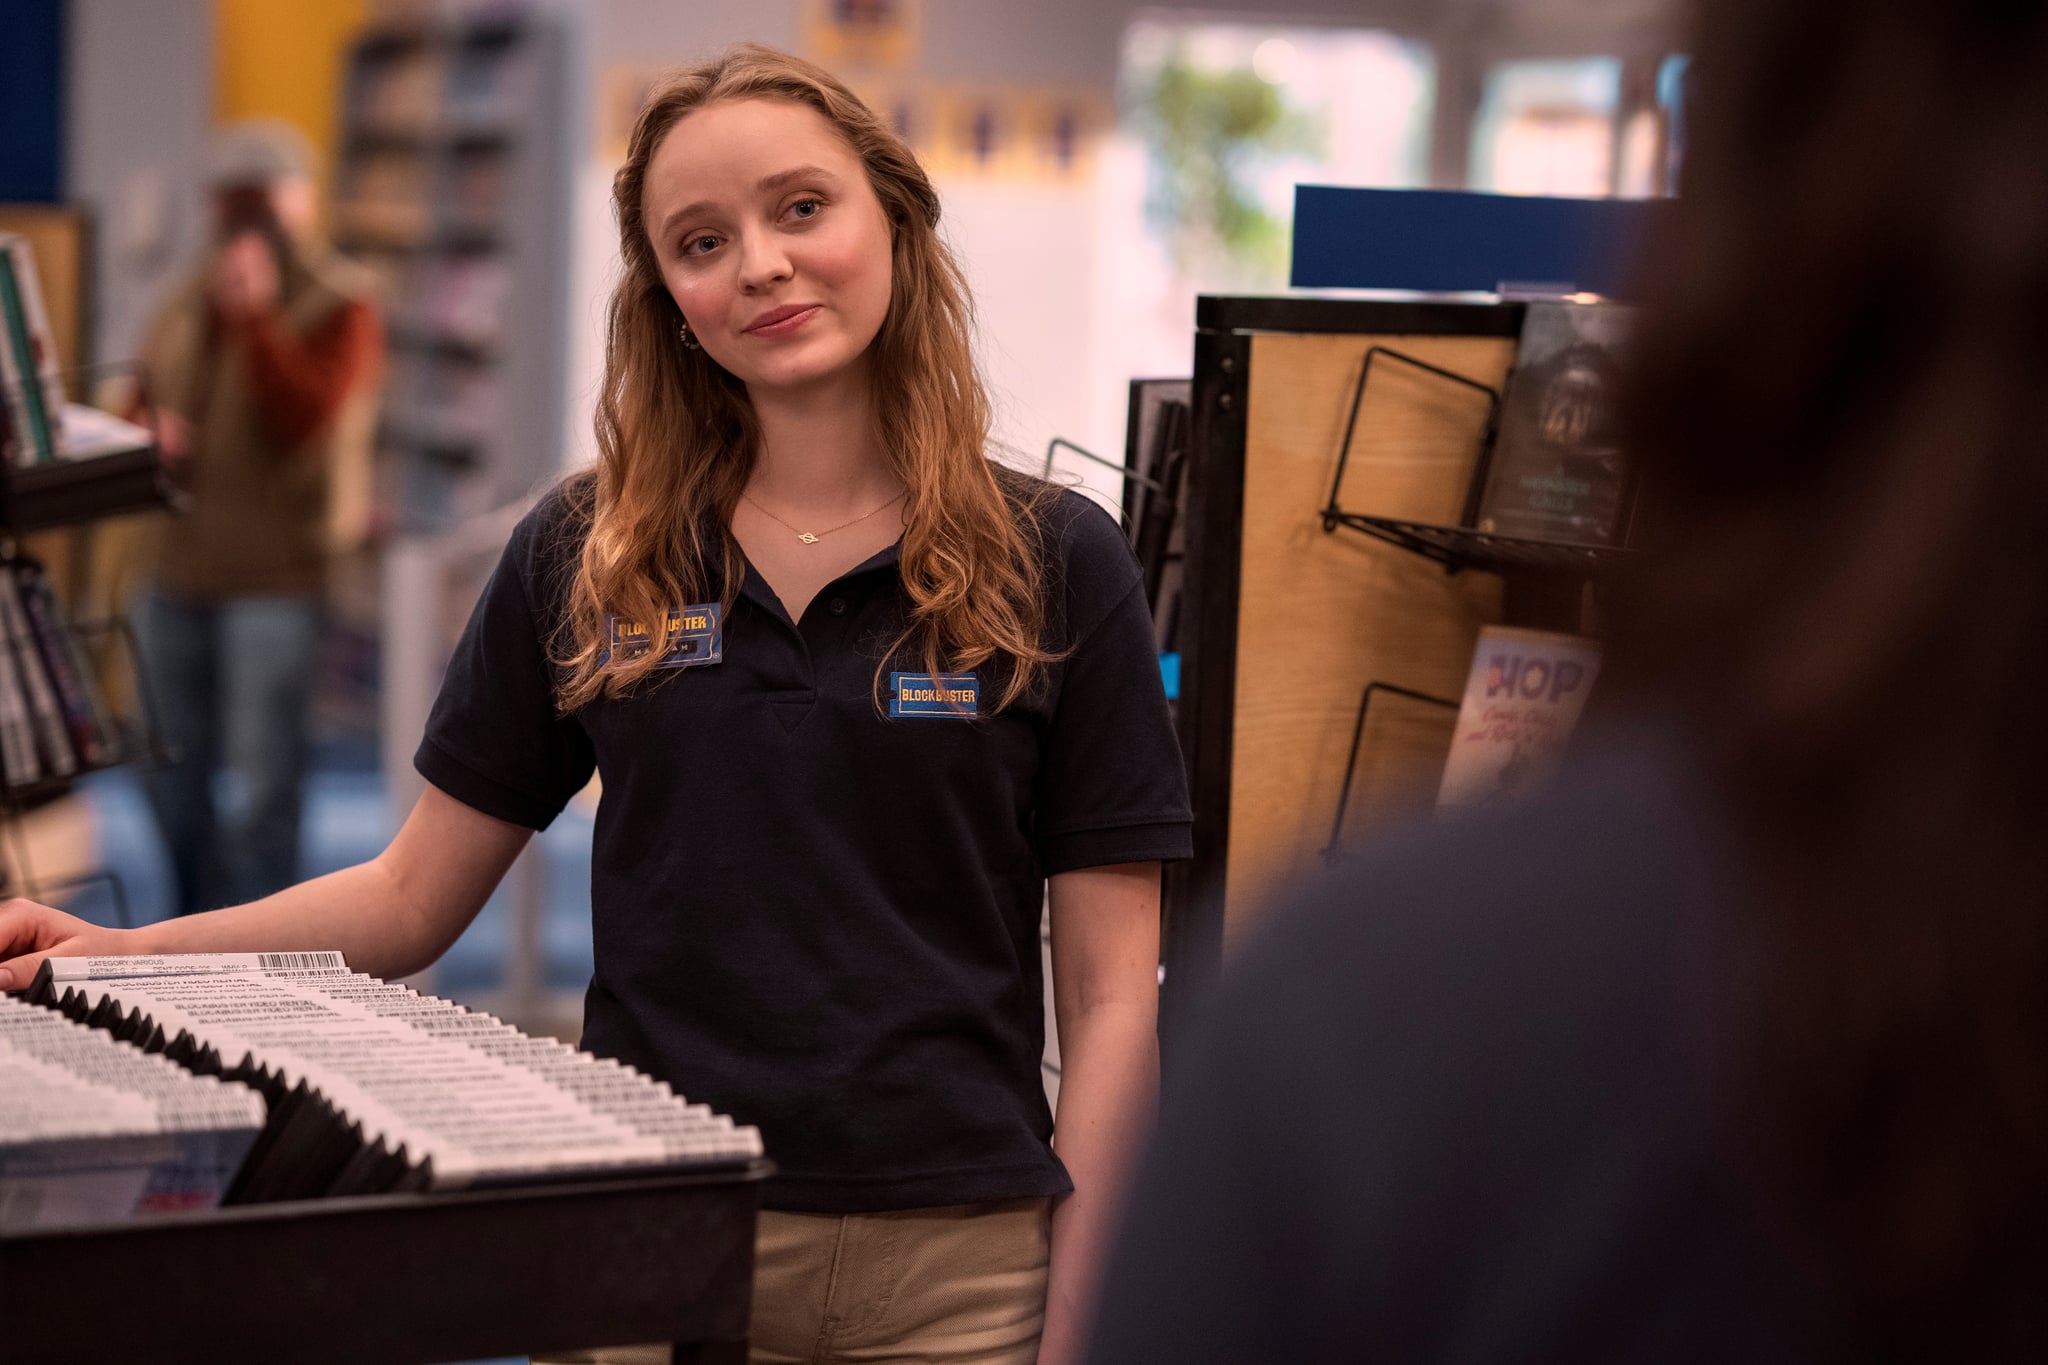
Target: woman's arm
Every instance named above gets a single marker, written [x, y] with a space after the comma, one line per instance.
[1105, 971]
[389, 916]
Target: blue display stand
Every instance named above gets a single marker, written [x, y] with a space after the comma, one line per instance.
[1450, 241]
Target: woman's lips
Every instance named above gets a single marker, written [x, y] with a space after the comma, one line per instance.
[781, 322]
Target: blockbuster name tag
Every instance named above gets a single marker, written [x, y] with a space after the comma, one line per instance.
[693, 634]
[957, 695]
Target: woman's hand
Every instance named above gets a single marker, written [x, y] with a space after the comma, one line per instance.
[173, 437]
[30, 932]
[389, 916]
[245, 279]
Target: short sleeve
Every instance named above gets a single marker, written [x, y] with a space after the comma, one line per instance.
[1112, 786]
[494, 740]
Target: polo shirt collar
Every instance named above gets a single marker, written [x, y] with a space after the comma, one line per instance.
[883, 558]
[755, 588]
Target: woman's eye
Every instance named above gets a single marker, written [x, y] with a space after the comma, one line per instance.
[806, 208]
[697, 246]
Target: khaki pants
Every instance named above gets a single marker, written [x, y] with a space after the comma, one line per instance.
[948, 1286]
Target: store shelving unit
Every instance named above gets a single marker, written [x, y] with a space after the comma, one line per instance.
[78, 492]
[75, 492]
[1330, 559]
[453, 185]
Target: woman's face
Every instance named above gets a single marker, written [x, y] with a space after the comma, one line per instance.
[771, 241]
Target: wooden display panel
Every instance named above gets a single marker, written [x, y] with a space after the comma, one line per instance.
[1322, 614]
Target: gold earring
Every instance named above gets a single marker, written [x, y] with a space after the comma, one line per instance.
[688, 340]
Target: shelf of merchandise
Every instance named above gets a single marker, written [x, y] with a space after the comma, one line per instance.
[71, 492]
[76, 492]
[453, 183]
[1460, 547]
[1253, 485]
[21, 796]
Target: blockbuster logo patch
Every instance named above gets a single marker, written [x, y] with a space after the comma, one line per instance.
[957, 695]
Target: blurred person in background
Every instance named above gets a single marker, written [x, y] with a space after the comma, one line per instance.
[1733, 1045]
[259, 374]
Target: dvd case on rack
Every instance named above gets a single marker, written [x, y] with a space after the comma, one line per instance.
[1522, 701]
[70, 673]
[18, 763]
[52, 738]
[29, 371]
[1558, 470]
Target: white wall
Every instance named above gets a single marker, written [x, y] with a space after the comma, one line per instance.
[1038, 254]
[138, 100]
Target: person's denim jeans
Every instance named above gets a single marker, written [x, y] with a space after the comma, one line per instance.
[232, 683]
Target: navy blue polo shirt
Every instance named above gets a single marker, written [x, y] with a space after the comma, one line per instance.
[816, 916]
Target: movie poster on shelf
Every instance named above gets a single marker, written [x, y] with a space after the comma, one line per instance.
[625, 88]
[1035, 135]
[862, 33]
[1522, 701]
[1062, 131]
[1558, 471]
[972, 133]
[902, 104]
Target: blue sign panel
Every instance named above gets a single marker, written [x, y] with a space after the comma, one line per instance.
[1454, 241]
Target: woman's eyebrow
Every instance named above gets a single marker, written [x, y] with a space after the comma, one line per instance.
[781, 178]
[765, 185]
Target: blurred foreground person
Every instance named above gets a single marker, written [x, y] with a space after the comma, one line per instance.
[260, 375]
[1734, 1046]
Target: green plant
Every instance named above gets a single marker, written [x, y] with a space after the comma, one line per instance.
[1204, 131]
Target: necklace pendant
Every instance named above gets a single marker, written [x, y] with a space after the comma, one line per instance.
[806, 537]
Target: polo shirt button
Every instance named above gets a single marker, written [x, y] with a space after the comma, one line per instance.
[837, 606]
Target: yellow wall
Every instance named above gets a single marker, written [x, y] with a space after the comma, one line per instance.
[283, 59]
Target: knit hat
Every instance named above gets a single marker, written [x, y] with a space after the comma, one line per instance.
[257, 152]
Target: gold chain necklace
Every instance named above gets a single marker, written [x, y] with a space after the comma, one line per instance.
[812, 537]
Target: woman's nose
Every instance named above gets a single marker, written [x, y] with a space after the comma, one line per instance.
[762, 260]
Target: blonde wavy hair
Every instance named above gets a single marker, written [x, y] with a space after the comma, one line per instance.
[677, 437]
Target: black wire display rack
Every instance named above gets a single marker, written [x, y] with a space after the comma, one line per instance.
[136, 740]
[1458, 547]
[1333, 852]
[120, 477]
[1461, 547]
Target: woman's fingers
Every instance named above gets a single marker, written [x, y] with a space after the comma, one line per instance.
[29, 933]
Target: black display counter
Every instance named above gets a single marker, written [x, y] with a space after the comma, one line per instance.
[398, 1279]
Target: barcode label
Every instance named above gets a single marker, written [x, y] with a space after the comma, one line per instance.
[63, 969]
[301, 962]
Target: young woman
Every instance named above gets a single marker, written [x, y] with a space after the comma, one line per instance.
[857, 695]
